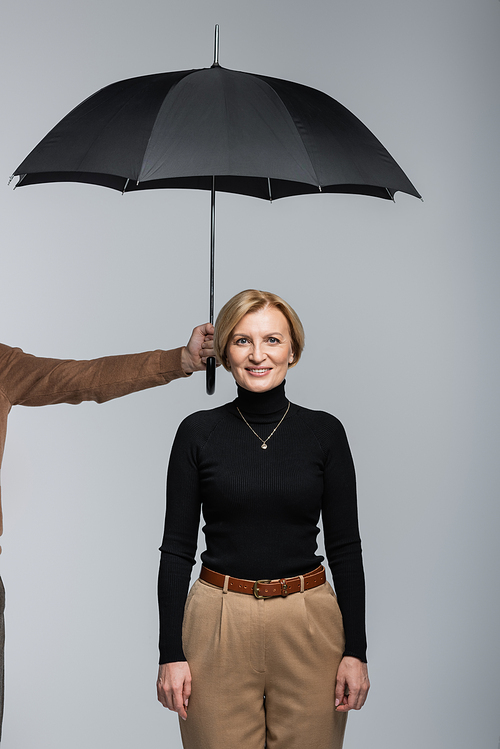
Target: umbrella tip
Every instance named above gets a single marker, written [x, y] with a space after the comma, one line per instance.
[216, 47]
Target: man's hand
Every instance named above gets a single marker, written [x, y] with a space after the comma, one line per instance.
[173, 686]
[352, 685]
[198, 349]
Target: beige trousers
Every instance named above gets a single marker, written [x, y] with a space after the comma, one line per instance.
[262, 670]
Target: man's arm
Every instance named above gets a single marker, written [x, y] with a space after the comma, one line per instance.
[34, 381]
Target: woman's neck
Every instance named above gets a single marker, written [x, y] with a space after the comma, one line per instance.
[270, 401]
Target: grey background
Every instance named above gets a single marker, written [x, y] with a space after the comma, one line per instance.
[400, 306]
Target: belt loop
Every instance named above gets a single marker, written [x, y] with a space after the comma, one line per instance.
[226, 584]
[301, 578]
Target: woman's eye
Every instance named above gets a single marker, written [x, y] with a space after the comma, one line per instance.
[273, 340]
[241, 340]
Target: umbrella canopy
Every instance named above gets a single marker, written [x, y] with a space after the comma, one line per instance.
[215, 129]
[256, 135]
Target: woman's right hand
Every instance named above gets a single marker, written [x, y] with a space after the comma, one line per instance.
[173, 686]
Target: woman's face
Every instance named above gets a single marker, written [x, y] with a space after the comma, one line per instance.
[259, 350]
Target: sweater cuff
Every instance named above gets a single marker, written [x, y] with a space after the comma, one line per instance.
[171, 364]
[361, 656]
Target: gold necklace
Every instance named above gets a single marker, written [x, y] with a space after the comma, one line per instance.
[264, 445]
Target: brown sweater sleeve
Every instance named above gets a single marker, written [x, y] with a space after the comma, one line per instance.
[33, 381]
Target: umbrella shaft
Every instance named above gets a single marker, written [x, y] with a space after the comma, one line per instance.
[212, 250]
[210, 373]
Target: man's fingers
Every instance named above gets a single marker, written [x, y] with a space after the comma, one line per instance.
[207, 350]
[207, 328]
[198, 348]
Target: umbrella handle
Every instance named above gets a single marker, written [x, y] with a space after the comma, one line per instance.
[210, 376]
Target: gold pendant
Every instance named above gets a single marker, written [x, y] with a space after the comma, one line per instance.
[264, 446]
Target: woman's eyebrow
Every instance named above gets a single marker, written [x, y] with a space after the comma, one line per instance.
[266, 335]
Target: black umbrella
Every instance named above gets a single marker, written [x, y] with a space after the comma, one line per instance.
[215, 129]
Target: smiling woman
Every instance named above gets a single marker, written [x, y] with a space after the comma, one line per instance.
[253, 300]
[259, 351]
[260, 650]
[258, 337]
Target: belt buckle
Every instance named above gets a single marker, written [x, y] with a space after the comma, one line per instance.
[256, 589]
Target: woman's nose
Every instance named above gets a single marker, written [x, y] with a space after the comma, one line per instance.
[257, 354]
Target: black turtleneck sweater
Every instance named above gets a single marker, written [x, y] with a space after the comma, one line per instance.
[261, 507]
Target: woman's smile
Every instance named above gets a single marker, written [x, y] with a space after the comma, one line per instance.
[258, 371]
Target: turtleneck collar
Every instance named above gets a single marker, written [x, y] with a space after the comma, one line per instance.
[271, 401]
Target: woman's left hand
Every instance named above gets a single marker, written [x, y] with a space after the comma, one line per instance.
[352, 684]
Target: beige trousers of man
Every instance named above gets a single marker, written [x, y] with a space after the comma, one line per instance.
[262, 670]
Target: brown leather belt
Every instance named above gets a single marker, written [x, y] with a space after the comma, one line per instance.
[265, 588]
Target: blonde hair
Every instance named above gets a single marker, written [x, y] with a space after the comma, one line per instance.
[252, 300]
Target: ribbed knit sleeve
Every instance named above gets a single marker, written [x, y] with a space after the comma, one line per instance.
[340, 527]
[178, 548]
